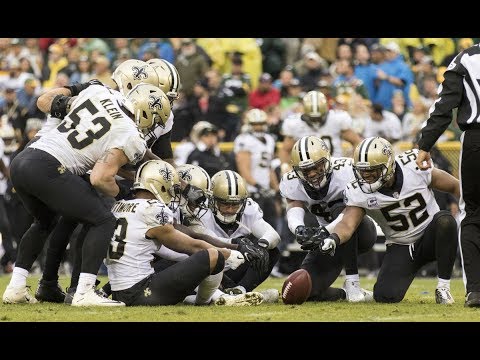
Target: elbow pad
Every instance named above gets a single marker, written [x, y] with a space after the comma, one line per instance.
[60, 106]
[295, 217]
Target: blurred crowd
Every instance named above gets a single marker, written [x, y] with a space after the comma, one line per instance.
[387, 85]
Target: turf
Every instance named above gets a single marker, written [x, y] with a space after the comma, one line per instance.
[418, 305]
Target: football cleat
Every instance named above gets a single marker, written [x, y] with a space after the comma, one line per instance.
[473, 299]
[248, 299]
[443, 296]
[354, 291]
[270, 296]
[18, 295]
[92, 298]
[237, 290]
[69, 296]
[49, 291]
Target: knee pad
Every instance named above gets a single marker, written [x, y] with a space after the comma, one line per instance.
[220, 263]
[445, 221]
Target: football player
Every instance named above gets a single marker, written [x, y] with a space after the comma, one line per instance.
[159, 138]
[399, 197]
[126, 76]
[236, 218]
[98, 134]
[330, 125]
[254, 151]
[145, 226]
[317, 182]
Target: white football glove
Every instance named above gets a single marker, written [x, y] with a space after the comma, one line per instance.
[234, 260]
[329, 244]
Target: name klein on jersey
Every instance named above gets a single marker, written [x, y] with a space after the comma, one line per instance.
[111, 108]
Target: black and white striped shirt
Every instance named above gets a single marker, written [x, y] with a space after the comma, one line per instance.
[461, 88]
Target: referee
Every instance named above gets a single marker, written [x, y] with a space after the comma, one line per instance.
[461, 89]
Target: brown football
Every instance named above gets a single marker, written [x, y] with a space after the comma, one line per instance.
[297, 287]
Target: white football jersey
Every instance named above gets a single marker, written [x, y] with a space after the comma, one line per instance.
[404, 212]
[130, 252]
[95, 124]
[261, 156]
[319, 202]
[50, 124]
[337, 121]
[53, 122]
[252, 215]
[151, 137]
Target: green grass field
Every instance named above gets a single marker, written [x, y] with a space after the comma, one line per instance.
[418, 305]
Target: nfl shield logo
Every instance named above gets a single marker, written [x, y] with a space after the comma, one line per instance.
[372, 202]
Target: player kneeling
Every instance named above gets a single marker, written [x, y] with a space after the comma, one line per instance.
[144, 226]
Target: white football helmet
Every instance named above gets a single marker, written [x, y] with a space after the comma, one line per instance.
[373, 163]
[133, 72]
[200, 185]
[160, 178]
[149, 105]
[229, 196]
[168, 78]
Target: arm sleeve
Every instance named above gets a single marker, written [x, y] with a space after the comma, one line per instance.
[450, 92]
[263, 230]
[163, 146]
[169, 254]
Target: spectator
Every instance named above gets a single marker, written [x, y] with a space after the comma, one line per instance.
[56, 62]
[207, 153]
[265, 95]
[392, 74]
[191, 65]
[364, 69]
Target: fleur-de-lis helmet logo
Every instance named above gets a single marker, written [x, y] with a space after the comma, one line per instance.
[166, 173]
[155, 102]
[185, 175]
[139, 72]
[386, 150]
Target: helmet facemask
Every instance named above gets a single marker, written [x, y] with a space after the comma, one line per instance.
[315, 174]
[372, 178]
[228, 196]
[194, 201]
[374, 164]
[227, 211]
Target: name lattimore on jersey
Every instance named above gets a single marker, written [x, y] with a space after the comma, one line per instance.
[111, 108]
[124, 207]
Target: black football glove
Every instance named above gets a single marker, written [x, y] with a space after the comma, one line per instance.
[256, 255]
[304, 233]
[320, 233]
[75, 89]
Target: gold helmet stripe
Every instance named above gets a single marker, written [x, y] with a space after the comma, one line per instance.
[232, 183]
[363, 153]
[173, 72]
